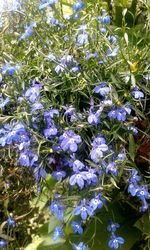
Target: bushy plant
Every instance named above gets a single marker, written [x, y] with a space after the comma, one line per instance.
[74, 132]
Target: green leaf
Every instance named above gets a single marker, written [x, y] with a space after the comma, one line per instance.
[132, 147]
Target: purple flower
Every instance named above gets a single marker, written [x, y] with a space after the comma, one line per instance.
[36, 106]
[10, 70]
[78, 6]
[112, 168]
[77, 227]
[3, 102]
[142, 192]
[57, 209]
[97, 202]
[80, 246]
[112, 52]
[83, 210]
[94, 118]
[91, 176]
[112, 39]
[97, 152]
[102, 89]
[57, 233]
[82, 39]
[69, 141]
[3, 243]
[106, 19]
[103, 29]
[115, 241]
[112, 227]
[133, 189]
[134, 177]
[122, 155]
[77, 165]
[59, 175]
[78, 178]
[27, 158]
[28, 31]
[11, 222]
[49, 132]
[144, 206]
[133, 129]
[136, 93]
[118, 114]
[33, 93]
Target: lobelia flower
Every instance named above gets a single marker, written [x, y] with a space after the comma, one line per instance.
[97, 202]
[91, 55]
[77, 165]
[91, 177]
[144, 206]
[133, 129]
[103, 29]
[4, 102]
[142, 192]
[50, 132]
[98, 152]
[112, 39]
[112, 168]
[80, 246]
[78, 178]
[57, 233]
[78, 5]
[33, 93]
[133, 188]
[59, 174]
[112, 227]
[47, 3]
[36, 106]
[83, 210]
[82, 39]
[69, 141]
[112, 52]
[122, 155]
[77, 227]
[3, 243]
[11, 222]
[94, 118]
[39, 173]
[106, 19]
[27, 158]
[115, 241]
[134, 177]
[136, 93]
[10, 70]
[57, 209]
[102, 89]
[28, 31]
[118, 114]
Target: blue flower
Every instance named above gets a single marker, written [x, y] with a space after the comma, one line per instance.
[11, 222]
[69, 141]
[112, 52]
[80, 246]
[77, 227]
[47, 3]
[106, 19]
[134, 177]
[112, 39]
[115, 241]
[97, 202]
[82, 39]
[83, 210]
[136, 93]
[133, 129]
[91, 176]
[98, 152]
[59, 174]
[133, 189]
[119, 114]
[36, 106]
[112, 227]
[103, 29]
[3, 243]
[94, 118]
[142, 192]
[33, 93]
[77, 165]
[57, 209]
[78, 178]
[78, 6]
[102, 89]
[112, 168]
[49, 132]
[57, 233]
[4, 102]
[122, 155]
[144, 206]
[28, 31]
[10, 70]
[27, 158]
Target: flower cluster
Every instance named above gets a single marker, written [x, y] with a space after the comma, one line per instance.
[114, 241]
